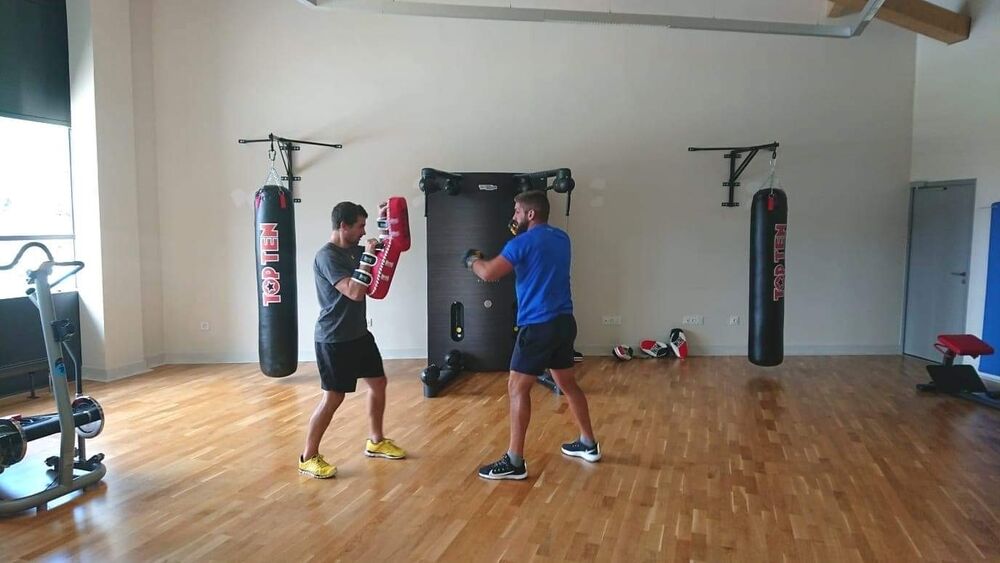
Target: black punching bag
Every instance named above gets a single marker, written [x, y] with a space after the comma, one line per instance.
[768, 224]
[277, 305]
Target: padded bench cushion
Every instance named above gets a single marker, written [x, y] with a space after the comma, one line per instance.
[965, 345]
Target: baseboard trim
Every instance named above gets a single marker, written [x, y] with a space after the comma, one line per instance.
[587, 350]
[156, 361]
[106, 375]
[797, 350]
[304, 356]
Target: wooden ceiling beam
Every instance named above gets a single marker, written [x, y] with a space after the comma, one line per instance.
[915, 15]
[835, 10]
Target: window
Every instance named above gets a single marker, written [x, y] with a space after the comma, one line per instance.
[36, 198]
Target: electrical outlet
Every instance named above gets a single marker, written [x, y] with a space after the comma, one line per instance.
[205, 326]
[734, 320]
[606, 320]
[611, 320]
[371, 322]
[694, 320]
[616, 320]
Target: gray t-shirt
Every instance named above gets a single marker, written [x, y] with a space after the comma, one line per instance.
[341, 319]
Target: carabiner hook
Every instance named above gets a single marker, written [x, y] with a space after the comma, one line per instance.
[770, 177]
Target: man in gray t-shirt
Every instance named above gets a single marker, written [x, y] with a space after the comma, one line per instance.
[341, 319]
[345, 350]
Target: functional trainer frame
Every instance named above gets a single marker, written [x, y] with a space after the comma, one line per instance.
[472, 324]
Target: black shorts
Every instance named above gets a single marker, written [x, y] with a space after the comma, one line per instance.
[341, 364]
[543, 346]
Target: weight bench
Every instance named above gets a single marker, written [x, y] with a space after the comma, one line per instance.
[960, 380]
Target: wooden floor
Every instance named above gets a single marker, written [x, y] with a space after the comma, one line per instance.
[709, 459]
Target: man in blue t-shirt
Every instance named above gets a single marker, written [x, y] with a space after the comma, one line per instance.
[539, 257]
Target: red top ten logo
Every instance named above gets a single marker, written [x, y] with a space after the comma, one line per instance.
[270, 286]
[779, 261]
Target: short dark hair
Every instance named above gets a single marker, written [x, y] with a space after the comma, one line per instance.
[537, 200]
[346, 212]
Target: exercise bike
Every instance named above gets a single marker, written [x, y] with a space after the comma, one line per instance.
[82, 415]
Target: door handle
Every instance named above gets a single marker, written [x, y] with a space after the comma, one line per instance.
[962, 274]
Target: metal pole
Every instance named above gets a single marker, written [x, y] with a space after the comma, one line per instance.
[57, 367]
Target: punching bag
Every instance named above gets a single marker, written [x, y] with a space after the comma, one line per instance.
[768, 225]
[277, 307]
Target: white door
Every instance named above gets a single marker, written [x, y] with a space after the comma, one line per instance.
[938, 264]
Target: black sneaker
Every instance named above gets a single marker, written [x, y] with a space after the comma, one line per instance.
[504, 469]
[577, 449]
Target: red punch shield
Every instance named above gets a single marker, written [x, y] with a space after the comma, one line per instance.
[394, 222]
[394, 228]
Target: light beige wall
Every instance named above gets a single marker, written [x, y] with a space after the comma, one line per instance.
[117, 171]
[86, 199]
[147, 195]
[618, 105]
[104, 184]
[956, 128]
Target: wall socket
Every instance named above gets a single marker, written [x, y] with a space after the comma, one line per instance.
[611, 320]
[371, 322]
[205, 326]
[734, 320]
[694, 320]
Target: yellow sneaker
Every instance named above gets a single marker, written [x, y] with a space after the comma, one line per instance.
[386, 448]
[317, 467]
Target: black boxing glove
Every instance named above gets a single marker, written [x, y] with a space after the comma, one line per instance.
[362, 277]
[471, 256]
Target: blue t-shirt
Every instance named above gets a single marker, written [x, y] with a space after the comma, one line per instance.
[541, 259]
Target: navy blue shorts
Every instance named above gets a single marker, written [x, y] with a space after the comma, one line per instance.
[544, 346]
[341, 364]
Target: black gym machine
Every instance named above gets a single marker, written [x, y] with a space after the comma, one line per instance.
[472, 324]
[82, 416]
